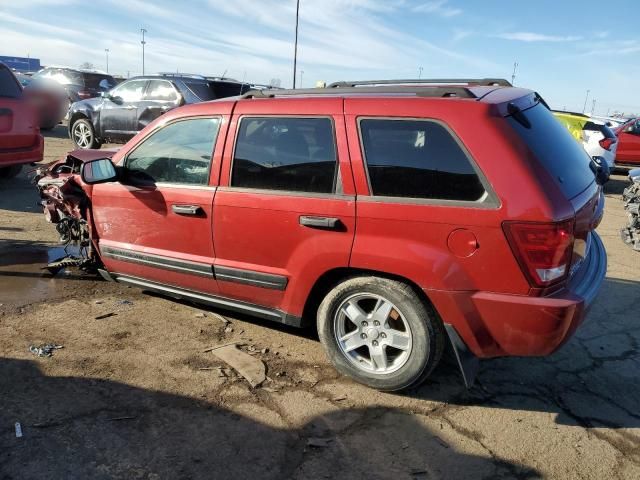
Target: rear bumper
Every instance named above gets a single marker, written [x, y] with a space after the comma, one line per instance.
[18, 156]
[493, 324]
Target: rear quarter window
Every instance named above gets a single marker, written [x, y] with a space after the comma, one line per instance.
[417, 159]
[554, 147]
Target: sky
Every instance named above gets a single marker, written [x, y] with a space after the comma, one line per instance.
[562, 47]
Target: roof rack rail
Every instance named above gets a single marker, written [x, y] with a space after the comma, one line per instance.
[180, 74]
[435, 91]
[489, 82]
[222, 79]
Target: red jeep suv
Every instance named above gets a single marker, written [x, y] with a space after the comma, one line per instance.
[393, 216]
[20, 139]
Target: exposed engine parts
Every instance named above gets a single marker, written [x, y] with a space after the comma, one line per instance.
[65, 205]
[631, 197]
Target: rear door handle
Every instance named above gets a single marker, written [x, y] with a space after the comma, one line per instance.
[320, 222]
[186, 209]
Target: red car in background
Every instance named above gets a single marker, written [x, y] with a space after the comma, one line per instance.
[20, 139]
[628, 143]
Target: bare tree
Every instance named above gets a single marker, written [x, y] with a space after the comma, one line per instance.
[87, 66]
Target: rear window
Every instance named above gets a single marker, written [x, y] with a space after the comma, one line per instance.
[554, 147]
[8, 85]
[215, 89]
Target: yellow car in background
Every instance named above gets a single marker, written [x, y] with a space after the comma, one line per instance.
[595, 136]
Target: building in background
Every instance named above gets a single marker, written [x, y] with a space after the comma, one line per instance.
[21, 64]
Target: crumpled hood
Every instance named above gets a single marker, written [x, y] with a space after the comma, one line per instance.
[88, 155]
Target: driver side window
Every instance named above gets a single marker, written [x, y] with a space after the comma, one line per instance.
[130, 91]
[178, 153]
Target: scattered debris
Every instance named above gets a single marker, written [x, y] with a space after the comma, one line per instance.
[99, 302]
[18, 430]
[228, 330]
[264, 351]
[270, 390]
[200, 315]
[405, 446]
[252, 369]
[106, 315]
[209, 368]
[340, 398]
[117, 419]
[45, 350]
[631, 197]
[316, 442]
[281, 374]
[124, 302]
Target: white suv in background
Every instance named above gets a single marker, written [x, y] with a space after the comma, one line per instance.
[600, 141]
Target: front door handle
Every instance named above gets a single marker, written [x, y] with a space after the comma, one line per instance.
[186, 209]
[320, 222]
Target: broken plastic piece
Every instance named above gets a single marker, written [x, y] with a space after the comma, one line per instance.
[252, 369]
[44, 350]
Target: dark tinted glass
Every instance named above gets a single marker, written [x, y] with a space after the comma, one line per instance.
[8, 85]
[177, 153]
[202, 90]
[228, 89]
[295, 154]
[161, 90]
[96, 80]
[555, 149]
[417, 159]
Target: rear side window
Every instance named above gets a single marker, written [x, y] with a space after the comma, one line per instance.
[95, 80]
[417, 159]
[161, 90]
[179, 153]
[293, 154]
[9, 86]
[554, 147]
[202, 90]
[228, 89]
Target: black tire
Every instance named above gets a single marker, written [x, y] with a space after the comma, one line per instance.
[426, 329]
[83, 135]
[10, 172]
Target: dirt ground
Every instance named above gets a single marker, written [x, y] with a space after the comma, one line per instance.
[134, 396]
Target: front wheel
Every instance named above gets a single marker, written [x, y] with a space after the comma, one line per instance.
[83, 135]
[380, 333]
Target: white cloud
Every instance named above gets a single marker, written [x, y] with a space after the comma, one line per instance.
[438, 7]
[459, 34]
[536, 37]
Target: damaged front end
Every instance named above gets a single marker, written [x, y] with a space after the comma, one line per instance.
[631, 196]
[66, 202]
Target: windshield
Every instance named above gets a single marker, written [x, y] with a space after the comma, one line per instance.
[555, 148]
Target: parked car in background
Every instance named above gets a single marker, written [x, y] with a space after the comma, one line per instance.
[49, 99]
[392, 217]
[629, 143]
[595, 136]
[611, 122]
[20, 139]
[122, 112]
[79, 84]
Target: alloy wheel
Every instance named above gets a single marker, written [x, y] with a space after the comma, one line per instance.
[372, 333]
[82, 135]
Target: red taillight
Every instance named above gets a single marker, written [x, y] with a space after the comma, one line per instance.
[84, 94]
[607, 142]
[543, 250]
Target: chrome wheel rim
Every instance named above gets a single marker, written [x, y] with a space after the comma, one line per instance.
[372, 333]
[82, 135]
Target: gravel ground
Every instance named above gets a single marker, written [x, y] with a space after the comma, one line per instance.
[133, 395]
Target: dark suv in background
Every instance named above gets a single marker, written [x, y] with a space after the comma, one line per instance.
[122, 112]
[78, 83]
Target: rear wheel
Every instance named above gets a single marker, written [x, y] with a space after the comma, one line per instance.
[10, 172]
[380, 333]
[83, 135]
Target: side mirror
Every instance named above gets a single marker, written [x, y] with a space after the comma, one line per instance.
[601, 170]
[101, 170]
[116, 100]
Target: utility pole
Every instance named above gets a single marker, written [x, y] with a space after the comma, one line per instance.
[419, 73]
[143, 31]
[295, 48]
[585, 101]
[593, 106]
[301, 74]
[106, 51]
[513, 75]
